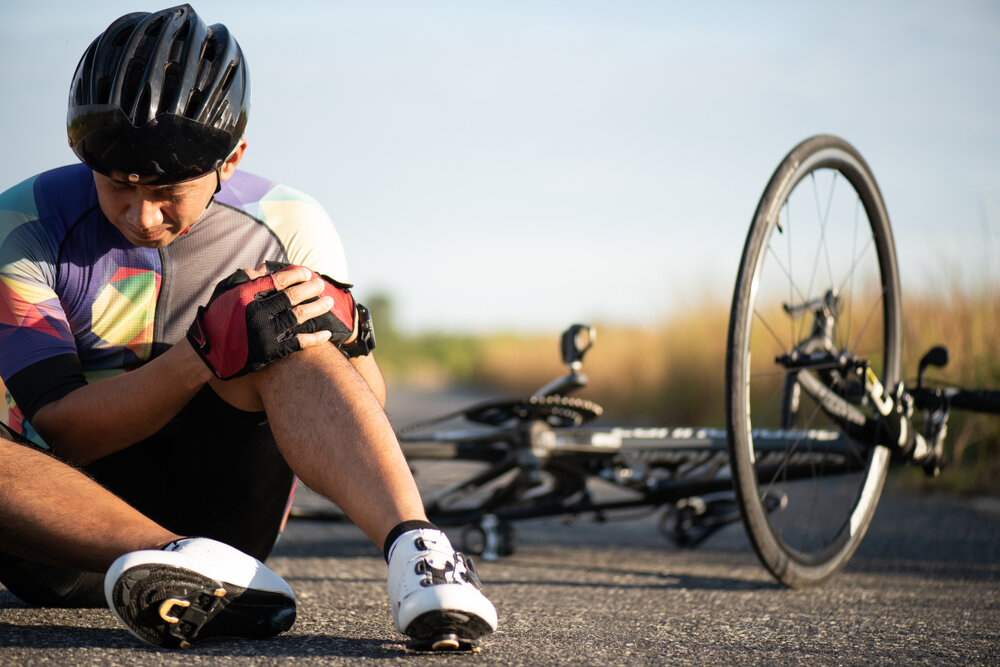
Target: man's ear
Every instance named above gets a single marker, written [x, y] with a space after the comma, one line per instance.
[229, 166]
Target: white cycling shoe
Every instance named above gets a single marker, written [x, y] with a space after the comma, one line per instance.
[435, 594]
[197, 589]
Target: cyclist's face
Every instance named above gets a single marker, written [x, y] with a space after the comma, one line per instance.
[153, 216]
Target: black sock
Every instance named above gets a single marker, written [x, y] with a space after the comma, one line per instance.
[399, 530]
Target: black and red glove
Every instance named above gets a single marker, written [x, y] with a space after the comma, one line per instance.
[247, 323]
[340, 320]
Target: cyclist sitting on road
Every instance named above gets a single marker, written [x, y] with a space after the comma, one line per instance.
[190, 404]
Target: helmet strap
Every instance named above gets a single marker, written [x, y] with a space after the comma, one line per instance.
[218, 186]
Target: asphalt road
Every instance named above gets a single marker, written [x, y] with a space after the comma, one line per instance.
[924, 587]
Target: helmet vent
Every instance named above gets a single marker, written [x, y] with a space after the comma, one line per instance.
[142, 107]
[227, 80]
[103, 90]
[120, 37]
[154, 26]
[176, 54]
[208, 50]
[171, 83]
[134, 75]
[182, 33]
[193, 103]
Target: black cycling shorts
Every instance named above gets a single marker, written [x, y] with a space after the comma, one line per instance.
[212, 471]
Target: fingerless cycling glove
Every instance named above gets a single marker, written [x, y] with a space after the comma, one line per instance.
[247, 323]
[340, 319]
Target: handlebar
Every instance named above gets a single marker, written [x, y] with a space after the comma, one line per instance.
[976, 400]
[937, 398]
[973, 400]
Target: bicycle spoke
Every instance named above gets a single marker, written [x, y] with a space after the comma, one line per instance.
[858, 207]
[774, 334]
[793, 286]
[822, 217]
[872, 312]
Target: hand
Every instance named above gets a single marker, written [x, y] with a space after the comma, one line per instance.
[335, 312]
[253, 318]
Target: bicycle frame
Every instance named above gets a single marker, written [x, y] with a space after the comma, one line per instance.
[611, 455]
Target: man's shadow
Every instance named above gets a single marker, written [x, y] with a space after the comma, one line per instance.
[62, 637]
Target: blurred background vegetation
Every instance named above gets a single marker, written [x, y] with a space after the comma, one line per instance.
[672, 374]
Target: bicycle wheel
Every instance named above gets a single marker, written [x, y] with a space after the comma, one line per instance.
[818, 280]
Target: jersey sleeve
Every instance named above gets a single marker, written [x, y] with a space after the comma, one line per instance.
[306, 231]
[34, 331]
[298, 222]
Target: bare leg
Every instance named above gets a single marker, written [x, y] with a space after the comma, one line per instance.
[52, 513]
[333, 433]
[335, 436]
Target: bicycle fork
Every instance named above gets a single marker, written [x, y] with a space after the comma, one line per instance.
[892, 424]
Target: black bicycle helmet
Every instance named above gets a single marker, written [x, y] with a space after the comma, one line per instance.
[159, 98]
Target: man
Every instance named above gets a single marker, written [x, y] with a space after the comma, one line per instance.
[191, 404]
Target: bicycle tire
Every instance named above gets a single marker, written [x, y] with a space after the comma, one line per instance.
[822, 518]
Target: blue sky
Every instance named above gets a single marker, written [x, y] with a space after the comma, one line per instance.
[523, 165]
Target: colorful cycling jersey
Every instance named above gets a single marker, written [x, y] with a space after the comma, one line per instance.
[78, 302]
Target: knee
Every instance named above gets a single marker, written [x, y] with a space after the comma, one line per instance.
[303, 367]
[242, 393]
